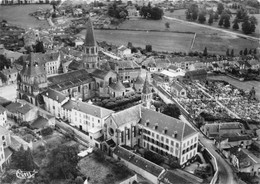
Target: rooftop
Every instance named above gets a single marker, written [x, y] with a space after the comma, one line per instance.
[54, 95]
[117, 86]
[138, 161]
[87, 108]
[40, 122]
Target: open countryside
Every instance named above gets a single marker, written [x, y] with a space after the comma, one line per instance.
[171, 42]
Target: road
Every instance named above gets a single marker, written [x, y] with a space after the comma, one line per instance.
[214, 28]
[226, 174]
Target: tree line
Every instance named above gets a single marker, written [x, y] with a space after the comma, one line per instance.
[223, 16]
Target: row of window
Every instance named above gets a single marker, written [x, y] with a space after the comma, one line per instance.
[189, 156]
[189, 142]
[190, 148]
[127, 134]
[157, 136]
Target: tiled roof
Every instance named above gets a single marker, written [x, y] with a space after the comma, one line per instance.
[87, 108]
[13, 107]
[32, 67]
[166, 122]
[2, 109]
[243, 158]
[139, 80]
[9, 71]
[176, 86]
[76, 65]
[100, 73]
[178, 177]
[54, 95]
[24, 109]
[70, 79]
[231, 125]
[90, 40]
[138, 161]
[117, 86]
[173, 67]
[132, 114]
[40, 122]
[196, 72]
[127, 64]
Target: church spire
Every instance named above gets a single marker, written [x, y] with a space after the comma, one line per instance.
[146, 87]
[90, 40]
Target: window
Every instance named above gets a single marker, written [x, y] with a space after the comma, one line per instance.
[122, 136]
[128, 132]
[184, 145]
[167, 140]
[3, 137]
[188, 143]
[195, 139]
[162, 138]
[98, 121]
[172, 143]
[177, 145]
[152, 134]
[157, 136]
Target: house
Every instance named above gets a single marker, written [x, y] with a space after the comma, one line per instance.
[153, 131]
[132, 13]
[3, 116]
[21, 112]
[127, 69]
[53, 101]
[197, 66]
[177, 90]
[10, 75]
[123, 51]
[196, 75]
[255, 64]
[232, 140]
[238, 158]
[5, 151]
[88, 118]
[138, 164]
[218, 129]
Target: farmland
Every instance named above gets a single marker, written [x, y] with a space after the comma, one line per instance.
[160, 41]
[215, 41]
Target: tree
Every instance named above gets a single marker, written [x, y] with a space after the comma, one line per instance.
[167, 25]
[220, 23]
[250, 51]
[172, 110]
[39, 47]
[22, 159]
[241, 53]
[192, 12]
[210, 20]
[205, 52]
[202, 18]
[216, 16]
[226, 23]
[241, 14]
[122, 14]
[4, 62]
[148, 48]
[246, 27]
[79, 180]
[220, 8]
[245, 52]
[63, 162]
[235, 25]
[227, 52]
[232, 53]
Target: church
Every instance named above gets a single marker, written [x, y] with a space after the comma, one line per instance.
[83, 81]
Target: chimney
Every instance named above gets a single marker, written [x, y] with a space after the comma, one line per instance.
[57, 98]
[147, 123]
[165, 130]
[175, 134]
[156, 126]
[47, 94]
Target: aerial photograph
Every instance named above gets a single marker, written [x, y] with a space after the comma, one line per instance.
[129, 91]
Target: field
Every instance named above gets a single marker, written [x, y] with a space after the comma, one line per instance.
[180, 14]
[219, 44]
[215, 41]
[19, 15]
[160, 41]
